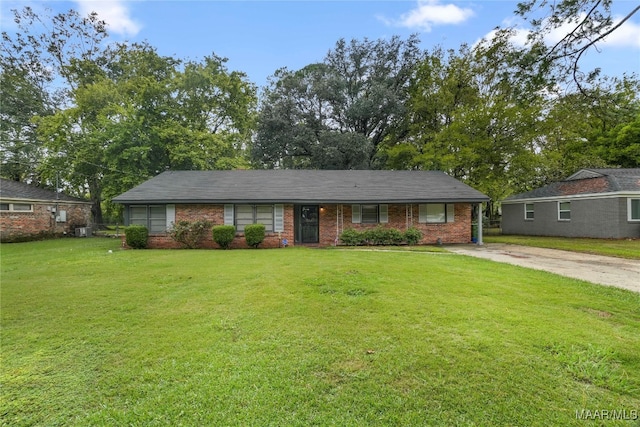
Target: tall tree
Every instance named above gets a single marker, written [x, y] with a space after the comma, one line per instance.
[470, 117]
[136, 113]
[21, 101]
[336, 114]
[588, 21]
[35, 81]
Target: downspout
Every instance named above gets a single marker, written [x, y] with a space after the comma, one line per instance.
[479, 240]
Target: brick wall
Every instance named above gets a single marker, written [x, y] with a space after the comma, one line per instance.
[331, 225]
[215, 214]
[458, 231]
[22, 225]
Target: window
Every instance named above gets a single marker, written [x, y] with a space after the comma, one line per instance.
[16, 207]
[154, 217]
[634, 209]
[369, 214]
[564, 211]
[254, 214]
[436, 213]
[528, 211]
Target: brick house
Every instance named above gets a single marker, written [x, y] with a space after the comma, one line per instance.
[28, 212]
[598, 203]
[305, 207]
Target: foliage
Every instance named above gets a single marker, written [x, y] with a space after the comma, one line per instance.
[380, 236]
[412, 236]
[254, 234]
[335, 114]
[190, 234]
[223, 235]
[403, 339]
[136, 236]
[383, 236]
[589, 22]
[351, 237]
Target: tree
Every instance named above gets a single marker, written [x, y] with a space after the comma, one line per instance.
[136, 113]
[35, 81]
[22, 100]
[592, 129]
[590, 22]
[336, 114]
[470, 117]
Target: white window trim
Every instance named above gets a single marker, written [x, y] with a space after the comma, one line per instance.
[629, 201]
[231, 210]
[449, 213]
[558, 206]
[533, 212]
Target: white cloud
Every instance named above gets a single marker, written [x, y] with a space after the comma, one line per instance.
[429, 13]
[114, 12]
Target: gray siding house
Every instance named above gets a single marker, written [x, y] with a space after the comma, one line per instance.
[598, 203]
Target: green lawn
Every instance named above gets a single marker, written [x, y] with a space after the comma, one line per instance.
[623, 248]
[305, 337]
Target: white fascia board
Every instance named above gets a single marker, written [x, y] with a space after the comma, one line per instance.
[613, 195]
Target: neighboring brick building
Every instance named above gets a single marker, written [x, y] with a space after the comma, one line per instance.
[305, 207]
[28, 212]
[598, 203]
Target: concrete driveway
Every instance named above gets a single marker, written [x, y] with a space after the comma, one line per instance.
[610, 271]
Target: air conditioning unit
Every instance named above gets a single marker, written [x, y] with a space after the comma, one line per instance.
[81, 231]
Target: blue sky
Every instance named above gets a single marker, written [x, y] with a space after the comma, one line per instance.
[258, 37]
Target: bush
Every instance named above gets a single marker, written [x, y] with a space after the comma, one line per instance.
[351, 237]
[136, 236]
[383, 236]
[224, 235]
[412, 236]
[190, 234]
[254, 234]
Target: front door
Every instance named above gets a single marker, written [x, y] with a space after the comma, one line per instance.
[307, 223]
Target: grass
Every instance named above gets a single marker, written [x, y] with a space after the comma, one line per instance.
[608, 247]
[301, 337]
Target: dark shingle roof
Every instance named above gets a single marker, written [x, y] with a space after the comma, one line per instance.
[587, 181]
[20, 191]
[301, 186]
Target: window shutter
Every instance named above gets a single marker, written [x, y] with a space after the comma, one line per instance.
[355, 214]
[171, 216]
[422, 213]
[278, 218]
[450, 212]
[383, 211]
[228, 214]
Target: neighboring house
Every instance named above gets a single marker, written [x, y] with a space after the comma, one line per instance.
[27, 212]
[305, 206]
[600, 203]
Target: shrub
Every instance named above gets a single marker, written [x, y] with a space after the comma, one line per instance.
[224, 235]
[190, 234]
[254, 234]
[412, 236]
[351, 237]
[136, 236]
[383, 236]
[393, 236]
